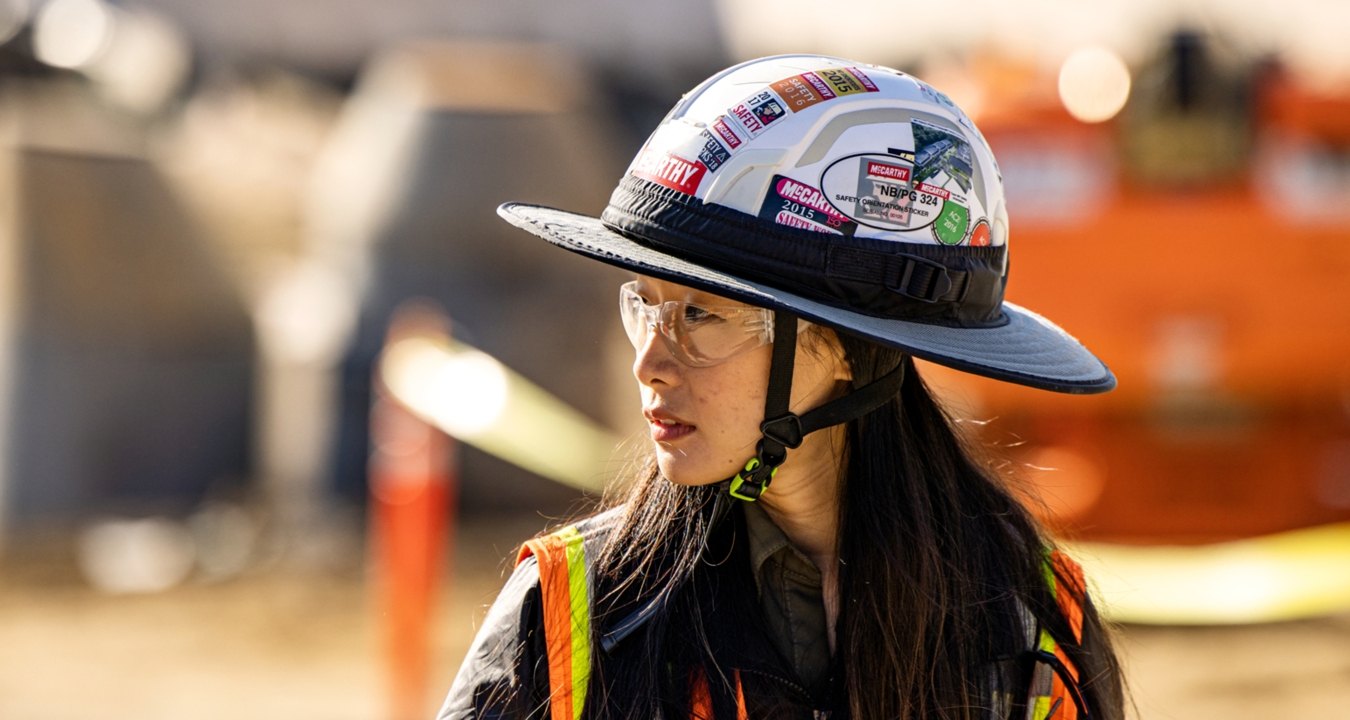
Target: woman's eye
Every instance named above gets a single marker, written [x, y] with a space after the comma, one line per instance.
[694, 314]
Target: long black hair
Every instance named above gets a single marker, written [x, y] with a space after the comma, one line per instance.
[940, 566]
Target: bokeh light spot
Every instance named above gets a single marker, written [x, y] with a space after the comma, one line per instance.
[1094, 84]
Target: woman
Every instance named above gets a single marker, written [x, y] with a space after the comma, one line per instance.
[813, 539]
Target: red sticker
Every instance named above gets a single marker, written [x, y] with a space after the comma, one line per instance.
[669, 170]
[725, 132]
[885, 170]
[979, 237]
[935, 190]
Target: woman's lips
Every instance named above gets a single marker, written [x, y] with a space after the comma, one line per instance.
[666, 427]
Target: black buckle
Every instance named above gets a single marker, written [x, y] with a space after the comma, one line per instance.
[932, 278]
[786, 430]
[754, 478]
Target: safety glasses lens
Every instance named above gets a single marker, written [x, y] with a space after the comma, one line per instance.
[638, 317]
[696, 335]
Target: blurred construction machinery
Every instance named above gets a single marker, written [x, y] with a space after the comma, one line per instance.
[1200, 242]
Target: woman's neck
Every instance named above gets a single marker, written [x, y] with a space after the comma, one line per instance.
[803, 502]
[809, 520]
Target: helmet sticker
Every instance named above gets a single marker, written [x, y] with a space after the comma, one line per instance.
[796, 93]
[803, 91]
[936, 95]
[713, 153]
[767, 108]
[908, 189]
[669, 170]
[979, 235]
[758, 112]
[941, 156]
[950, 228]
[725, 132]
[846, 81]
[878, 191]
[799, 205]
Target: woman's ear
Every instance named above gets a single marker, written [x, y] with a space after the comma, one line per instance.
[824, 343]
[843, 372]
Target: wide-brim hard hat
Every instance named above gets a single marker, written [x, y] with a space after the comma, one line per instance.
[853, 195]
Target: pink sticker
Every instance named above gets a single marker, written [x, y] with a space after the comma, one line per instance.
[788, 219]
[806, 195]
[820, 85]
[866, 81]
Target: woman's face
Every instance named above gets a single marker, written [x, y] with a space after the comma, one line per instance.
[704, 421]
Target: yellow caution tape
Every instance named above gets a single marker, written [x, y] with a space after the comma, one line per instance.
[1285, 576]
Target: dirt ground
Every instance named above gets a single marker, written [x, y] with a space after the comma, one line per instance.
[284, 643]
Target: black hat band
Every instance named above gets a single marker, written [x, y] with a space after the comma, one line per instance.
[936, 284]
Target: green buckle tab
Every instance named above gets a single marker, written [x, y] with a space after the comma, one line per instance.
[750, 483]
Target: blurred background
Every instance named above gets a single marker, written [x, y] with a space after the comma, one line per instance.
[281, 395]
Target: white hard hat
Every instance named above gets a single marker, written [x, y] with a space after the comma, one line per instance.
[854, 195]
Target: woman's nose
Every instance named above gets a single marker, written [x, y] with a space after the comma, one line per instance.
[653, 363]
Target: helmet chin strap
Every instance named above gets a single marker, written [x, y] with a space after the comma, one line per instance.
[783, 429]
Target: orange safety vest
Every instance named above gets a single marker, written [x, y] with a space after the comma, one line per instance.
[564, 584]
[1051, 697]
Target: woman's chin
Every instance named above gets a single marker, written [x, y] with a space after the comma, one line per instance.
[681, 472]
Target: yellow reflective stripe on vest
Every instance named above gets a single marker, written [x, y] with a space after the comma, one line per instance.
[567, 617]
[1049, 697]
[581, 618]
[565, 591]
[1043, 682]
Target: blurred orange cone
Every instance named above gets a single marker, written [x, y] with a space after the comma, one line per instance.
[412, 485]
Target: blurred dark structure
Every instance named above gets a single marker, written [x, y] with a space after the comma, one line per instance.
[462, 128]
[1191, 117]
[131, 366]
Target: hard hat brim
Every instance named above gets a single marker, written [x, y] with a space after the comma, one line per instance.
[1027, 349]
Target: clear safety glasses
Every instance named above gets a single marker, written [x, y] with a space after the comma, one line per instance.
[696, 335]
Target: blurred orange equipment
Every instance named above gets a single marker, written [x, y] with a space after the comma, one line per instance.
[1221, 299]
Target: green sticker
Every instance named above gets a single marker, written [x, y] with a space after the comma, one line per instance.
[950, 227]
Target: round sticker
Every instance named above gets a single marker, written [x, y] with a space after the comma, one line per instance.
[979, 237]
[950, 228]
